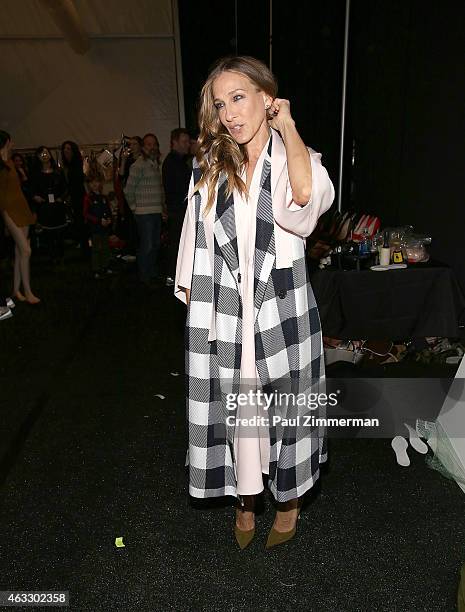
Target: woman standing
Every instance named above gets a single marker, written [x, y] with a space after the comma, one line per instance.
[48, 192]
[20, 164]
[252, 321]
[18, 218]
[128, 155]
[71, 160]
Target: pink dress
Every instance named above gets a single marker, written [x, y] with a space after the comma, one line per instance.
[251, 443]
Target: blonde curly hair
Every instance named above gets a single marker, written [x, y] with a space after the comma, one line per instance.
[217, 150]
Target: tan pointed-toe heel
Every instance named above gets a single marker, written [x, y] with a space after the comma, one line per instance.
[243, 537]
[279, 537]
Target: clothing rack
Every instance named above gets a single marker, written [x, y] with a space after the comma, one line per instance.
[88, 151]
[111, 146]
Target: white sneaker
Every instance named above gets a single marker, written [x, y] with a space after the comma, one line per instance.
[169, 281]
[10, 303]
[5, 313]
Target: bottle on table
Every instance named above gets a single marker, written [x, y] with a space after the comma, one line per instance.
[365, 245]
[385, 251]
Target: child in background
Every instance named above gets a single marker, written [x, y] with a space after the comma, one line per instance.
[97, 213]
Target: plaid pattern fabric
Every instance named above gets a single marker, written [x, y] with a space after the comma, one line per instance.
[288, 350]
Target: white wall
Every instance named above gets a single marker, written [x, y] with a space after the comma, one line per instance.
[126, 82]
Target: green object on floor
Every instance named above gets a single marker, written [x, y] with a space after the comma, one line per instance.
[119, 543]
[461, 592]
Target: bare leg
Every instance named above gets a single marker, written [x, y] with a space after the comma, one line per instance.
[286, 516]
[23, 250]
[245, 516]
[17, 273]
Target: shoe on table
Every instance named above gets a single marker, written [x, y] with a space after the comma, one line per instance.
[5, 313]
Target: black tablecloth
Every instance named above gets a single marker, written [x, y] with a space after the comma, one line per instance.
[420, 301]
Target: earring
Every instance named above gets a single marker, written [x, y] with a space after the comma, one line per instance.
[267, 106]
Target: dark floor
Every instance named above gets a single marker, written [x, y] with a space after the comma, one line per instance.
[89, 454]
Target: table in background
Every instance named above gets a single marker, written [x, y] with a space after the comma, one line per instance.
[420, 301]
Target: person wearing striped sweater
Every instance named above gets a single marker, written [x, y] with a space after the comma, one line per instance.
[145, 196]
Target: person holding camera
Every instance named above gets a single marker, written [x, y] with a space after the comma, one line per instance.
[73, 171]
[176, 174]
[130, 152]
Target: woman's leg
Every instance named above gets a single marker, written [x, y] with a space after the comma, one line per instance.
[245, 515]
[23, 252]
[17, 272]
[286, 515]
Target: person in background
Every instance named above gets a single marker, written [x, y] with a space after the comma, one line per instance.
[97, 214]
[73, 171]
[20, 165]
[22, 171]
[176, 173]
[17, 218]
[144, 194]
[194, 146]
[48, 189]
[128, 155]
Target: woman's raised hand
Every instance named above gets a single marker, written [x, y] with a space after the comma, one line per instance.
[279, 114]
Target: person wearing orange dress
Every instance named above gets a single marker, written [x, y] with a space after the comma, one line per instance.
[18, 217]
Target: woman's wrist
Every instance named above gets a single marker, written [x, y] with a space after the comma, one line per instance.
[287, 129]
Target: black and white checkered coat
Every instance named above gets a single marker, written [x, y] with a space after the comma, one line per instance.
[288, 341]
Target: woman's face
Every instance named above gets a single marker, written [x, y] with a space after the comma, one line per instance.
[18, 162]
[134, 146]
[240, 106]
[44, 156]
[68, 152]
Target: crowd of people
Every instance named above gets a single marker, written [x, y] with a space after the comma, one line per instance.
[43, 203]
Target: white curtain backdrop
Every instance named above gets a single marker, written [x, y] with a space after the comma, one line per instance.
[126, 82]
